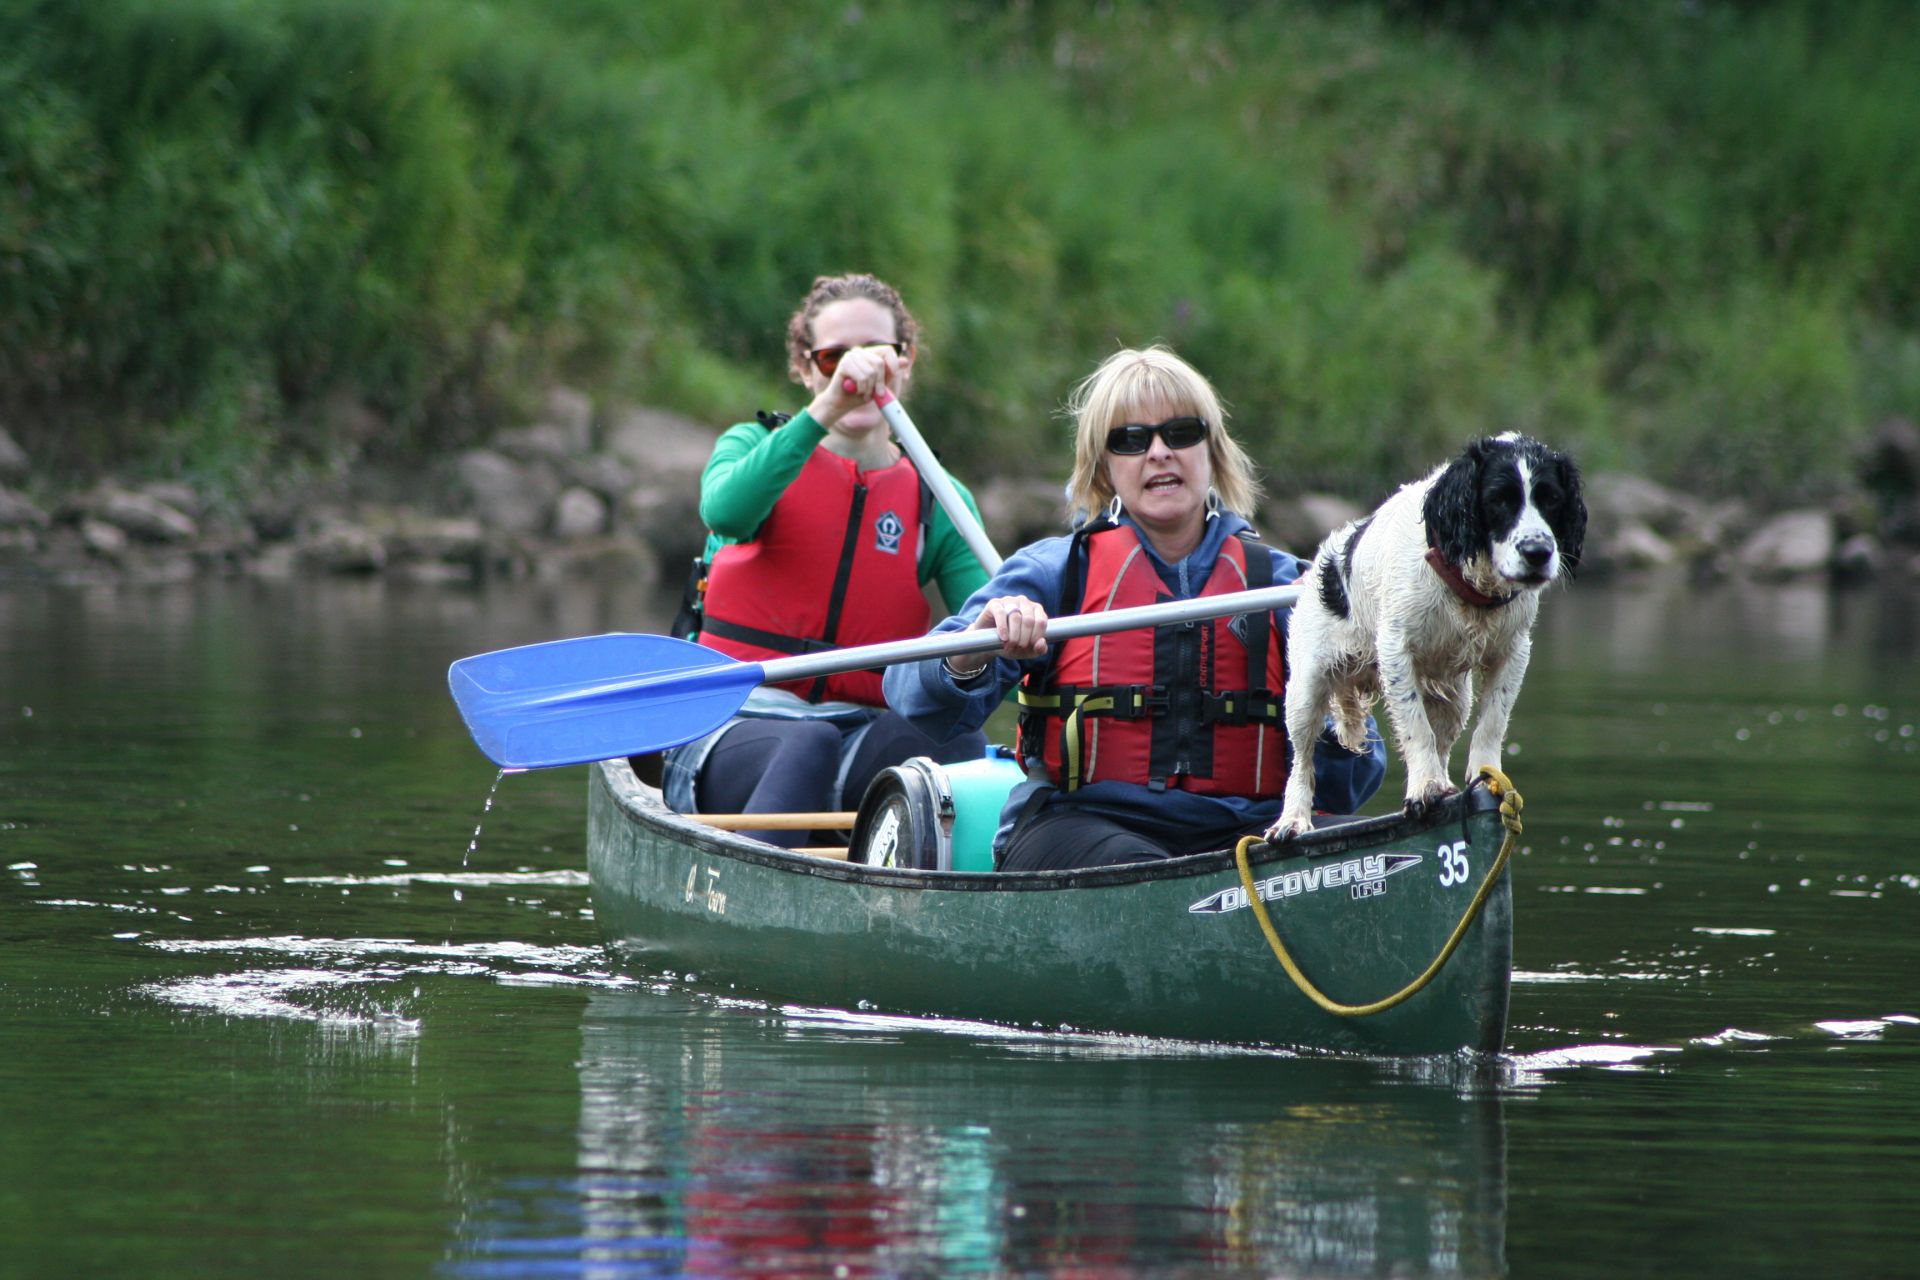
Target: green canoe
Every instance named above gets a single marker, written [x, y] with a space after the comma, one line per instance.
[1166, 949]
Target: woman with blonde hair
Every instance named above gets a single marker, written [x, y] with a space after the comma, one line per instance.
[1140, 744]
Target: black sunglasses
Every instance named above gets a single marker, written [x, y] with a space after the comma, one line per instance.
[827, 359]
[1137, 437]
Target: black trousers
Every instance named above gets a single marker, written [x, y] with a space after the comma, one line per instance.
[789, 766]
[1062, 837]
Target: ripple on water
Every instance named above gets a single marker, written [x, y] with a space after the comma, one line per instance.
[269, 993]
[1577, 975]
[464, 879]
[1529, 1071]
[1622, 1057]
[306, 992]
[1733, 1036]
[299, 944]
[1533, 1069]
[1062, 1041]
[1865, 1028]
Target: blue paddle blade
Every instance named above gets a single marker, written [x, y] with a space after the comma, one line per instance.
[596, 697]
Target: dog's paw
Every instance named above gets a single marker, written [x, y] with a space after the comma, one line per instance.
[1419, 806]
[1288, 827]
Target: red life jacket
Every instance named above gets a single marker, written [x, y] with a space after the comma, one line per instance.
[1195, 705]
[836, 534]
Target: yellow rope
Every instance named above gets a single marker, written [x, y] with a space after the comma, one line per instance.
[1510, 806]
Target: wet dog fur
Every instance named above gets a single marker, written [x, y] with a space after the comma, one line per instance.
[1382, 616]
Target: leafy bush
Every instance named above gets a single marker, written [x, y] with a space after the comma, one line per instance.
[1681, 237]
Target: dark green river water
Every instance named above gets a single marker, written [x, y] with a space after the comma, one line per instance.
[263, 1013]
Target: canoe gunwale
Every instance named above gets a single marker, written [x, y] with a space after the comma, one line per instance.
[641, 803]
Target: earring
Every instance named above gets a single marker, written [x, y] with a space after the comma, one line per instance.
[1213, 502]
[1113, 510]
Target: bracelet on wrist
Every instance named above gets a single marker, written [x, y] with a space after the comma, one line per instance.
[964, 676]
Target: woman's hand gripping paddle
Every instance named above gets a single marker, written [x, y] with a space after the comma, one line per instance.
[596, 697]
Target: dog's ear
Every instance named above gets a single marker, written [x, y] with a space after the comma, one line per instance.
[1570, 521]
[1455, 522]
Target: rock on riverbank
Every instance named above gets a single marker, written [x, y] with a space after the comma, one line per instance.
[582, 490]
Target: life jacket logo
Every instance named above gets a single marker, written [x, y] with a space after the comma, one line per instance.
[887, 532]
[1238, 625]
[1362, 877]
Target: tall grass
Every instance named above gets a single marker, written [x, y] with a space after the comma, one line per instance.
[1679, 237]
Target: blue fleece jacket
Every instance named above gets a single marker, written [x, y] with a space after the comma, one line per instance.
[927, 694]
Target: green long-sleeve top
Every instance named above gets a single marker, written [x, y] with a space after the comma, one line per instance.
[752, 466]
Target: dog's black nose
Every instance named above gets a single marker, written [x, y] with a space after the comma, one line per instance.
[1535, 551]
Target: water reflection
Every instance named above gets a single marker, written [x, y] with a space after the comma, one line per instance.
[740, 1141]
[248, 982]
[1666, 618]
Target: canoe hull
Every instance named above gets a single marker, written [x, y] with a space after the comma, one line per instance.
[1161, 950]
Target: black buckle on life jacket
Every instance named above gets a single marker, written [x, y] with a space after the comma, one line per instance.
[1112, 701]
[1240, 706]
[1137, 701]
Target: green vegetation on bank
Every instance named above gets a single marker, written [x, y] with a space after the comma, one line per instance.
[1682, 237]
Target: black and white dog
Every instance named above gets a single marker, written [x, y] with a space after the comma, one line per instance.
[1431, 595]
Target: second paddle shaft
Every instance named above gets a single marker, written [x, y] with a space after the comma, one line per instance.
[936, 477]
[954, 643]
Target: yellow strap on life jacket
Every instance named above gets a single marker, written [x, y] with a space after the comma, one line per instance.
[1073, 735]
[1089, 702]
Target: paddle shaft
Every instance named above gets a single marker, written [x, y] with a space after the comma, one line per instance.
[936, 477]
[945, 644]
[952, 644]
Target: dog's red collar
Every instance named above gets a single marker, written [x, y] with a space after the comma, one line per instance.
[1468, 593]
